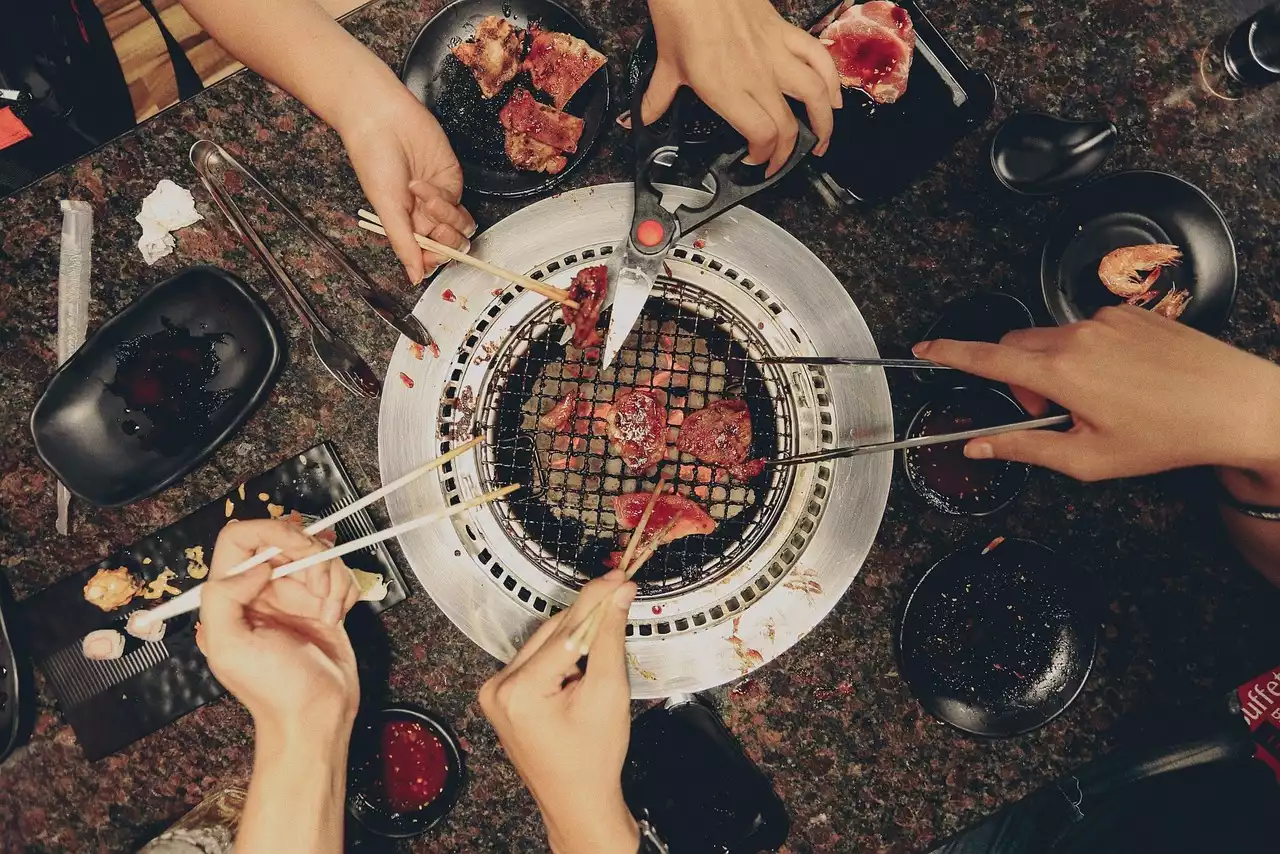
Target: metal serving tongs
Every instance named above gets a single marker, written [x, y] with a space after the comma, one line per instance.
[654, 229]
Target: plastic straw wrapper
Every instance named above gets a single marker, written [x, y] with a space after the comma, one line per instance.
[73, 303]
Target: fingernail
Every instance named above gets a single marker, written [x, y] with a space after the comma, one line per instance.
[748, 161]
[467, 249]
[979, 451]
[922, 348]
[623, 595]
[612, 574]
[472, 232]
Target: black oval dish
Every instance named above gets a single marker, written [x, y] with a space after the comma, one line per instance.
[365, 768]
[942, 475]
[447, 87]
[977, 317]
[1137, 208]
[158, 388]
[1036, 154]
[998, 639]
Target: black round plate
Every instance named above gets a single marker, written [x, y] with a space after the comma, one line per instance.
[987, 407]
[447, 87]
[998, 639]
[1135, 208]
[366, 765]
[976, 317]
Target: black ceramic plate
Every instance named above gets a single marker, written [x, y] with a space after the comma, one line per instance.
[942, 475]
[366, 766]
[13, 691]
[878, 149]
[111, 704]
[1136, 208]
[449, 90]
[975, 317]
[158, 388]
[998, 639]
[1036, 154]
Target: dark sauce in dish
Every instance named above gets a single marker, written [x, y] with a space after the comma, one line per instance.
[165, 377]
[943, 475]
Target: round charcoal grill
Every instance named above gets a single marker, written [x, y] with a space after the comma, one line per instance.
[787, 544]
[692, 348]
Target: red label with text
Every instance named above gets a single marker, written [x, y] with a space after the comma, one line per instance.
[1260, 701]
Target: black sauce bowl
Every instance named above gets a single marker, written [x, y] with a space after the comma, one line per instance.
[984, 317]
[366, 765]
[985, 407]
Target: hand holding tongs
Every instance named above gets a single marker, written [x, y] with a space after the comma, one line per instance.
[654, 229]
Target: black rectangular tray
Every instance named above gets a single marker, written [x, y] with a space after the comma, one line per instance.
[114, 703]
[879, 149]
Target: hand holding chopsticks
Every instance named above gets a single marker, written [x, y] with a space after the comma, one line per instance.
[369, 222]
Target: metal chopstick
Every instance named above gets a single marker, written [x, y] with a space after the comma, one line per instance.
[920, 364]
[919, 441]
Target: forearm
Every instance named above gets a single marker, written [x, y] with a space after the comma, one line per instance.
[607, 829]
[297, 794]
[298, 46]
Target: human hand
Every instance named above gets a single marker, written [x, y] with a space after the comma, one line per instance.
[1146, 394]
[742, 67]
[567, 736]
[412, 178]
[279, 645]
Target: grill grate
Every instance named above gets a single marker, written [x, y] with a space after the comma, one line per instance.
[692, 348]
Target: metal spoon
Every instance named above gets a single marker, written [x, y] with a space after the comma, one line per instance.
[338, 357]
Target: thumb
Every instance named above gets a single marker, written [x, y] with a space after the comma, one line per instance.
[607, 661]
[223, 602]
[1067, 452]
[661, 92]
[399, 228]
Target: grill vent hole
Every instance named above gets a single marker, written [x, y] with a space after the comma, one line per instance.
[682, 625]
[663, 628]
[540, 605]
[717, 613]
[525, 594]
[748, 595]
[484, 556]
[732, 604]
[509, 583]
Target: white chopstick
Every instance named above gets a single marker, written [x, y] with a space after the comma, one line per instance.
[369, 222]
[163, 611]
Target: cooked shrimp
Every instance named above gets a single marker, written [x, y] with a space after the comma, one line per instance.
[1120, 269]
[1173, 304]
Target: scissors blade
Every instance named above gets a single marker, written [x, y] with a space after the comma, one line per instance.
[630, 293]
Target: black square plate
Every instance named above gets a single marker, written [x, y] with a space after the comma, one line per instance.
[155, 390]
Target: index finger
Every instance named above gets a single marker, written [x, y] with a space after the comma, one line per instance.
[1002, 362]
[555, 660]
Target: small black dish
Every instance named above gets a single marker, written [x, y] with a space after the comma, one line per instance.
[158, 388]
[942, 475]
[435, 76]
[1036, 154]
[975, 317]
[1139, 208]
[364, 802]
[998, 639]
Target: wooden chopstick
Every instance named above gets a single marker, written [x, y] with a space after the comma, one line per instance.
[369, 222]
[585, 634]
[172, 608]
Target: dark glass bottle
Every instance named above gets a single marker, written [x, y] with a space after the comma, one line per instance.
[1246, 57]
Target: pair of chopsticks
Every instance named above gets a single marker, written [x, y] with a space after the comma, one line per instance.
[584, 635]
[918, 364]
[190, 600]
[369, 221]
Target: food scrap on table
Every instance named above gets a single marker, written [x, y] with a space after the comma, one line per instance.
[275, 511]
[111, 588]
[262, 496]
[166, 209]
[588, 289]
[144, 628]
[146, 561]
[418, 351]
[160, 586]
[196, 567]
[373, 586]
[448, 295]
[993, 545]
[872, 45]
[240, 491]
[229, 509]
[492, 54]
[406, 380]
[103, 645]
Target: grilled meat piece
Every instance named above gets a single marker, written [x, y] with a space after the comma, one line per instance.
[673, 517]
[560, 64]
[493, 54]
[747, 470]
[527, 153]
[589, 289]
[872, 44]
[719, 434]
[558, 416]
[638, 424]
[523, 114]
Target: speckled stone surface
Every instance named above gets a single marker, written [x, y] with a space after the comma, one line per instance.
[860, 767]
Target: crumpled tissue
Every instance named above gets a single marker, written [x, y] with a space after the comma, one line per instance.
[167, 209]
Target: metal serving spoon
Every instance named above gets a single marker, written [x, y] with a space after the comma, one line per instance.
[338, 357]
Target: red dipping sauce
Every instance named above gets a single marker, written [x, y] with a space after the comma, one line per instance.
[415, 766]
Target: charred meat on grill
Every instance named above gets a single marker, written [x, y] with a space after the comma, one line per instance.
[638, 425]
[560, 64]
[719, 434]
[558, 416]
[673, 517]
[493, 54]
[588, 289]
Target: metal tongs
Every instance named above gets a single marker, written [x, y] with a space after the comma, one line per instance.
[654, 229]
[211, 162]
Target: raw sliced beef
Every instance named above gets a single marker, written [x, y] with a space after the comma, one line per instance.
[638, 425]
[673, 517]
[523, 114]
[872, 44]
[558, 416]
[560, 64]
[588, 289]
[493, 54]
[719, 434]
[526, 152]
